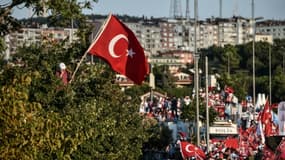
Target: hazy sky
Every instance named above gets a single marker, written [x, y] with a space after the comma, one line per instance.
[269, 9]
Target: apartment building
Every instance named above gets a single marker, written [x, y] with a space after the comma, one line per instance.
[165, 34]
[271, 27]
[148, 34]
[264, 38]
[179, 34]
[25, 36]
[28, 36]
[206, 35]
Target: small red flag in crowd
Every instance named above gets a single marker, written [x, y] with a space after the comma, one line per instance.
[266, 114]
[229, 90]
[266, 120]
[118, 45]
[189, 150]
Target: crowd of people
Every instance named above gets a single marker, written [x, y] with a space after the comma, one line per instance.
[164, 109]
[250, 141]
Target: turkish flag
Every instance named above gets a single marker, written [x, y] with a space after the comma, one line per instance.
[118, 45]
[189, 150]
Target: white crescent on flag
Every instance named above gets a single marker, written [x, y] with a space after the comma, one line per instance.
[113, 43]
[187, 148]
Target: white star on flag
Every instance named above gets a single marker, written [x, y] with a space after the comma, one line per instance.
[131, 53]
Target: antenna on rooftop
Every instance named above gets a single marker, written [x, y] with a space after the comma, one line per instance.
[187, 14]
[175, 9]
[235, 11]
[221, 8]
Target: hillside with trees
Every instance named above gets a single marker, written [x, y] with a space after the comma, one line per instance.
[234, 64]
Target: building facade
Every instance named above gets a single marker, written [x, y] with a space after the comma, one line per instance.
[271, 27]
[28, 36]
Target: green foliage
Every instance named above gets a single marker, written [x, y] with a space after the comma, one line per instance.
[189, 112]
[241, 67]
[278, 85]
[160, 139]
[180, 92]
[137, 90]
[2, 45]
[239, 81]
[230, 58]
[163, 77]
[91, 118]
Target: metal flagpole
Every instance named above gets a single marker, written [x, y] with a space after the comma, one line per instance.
[196, 60]
[207, 102]
[270, 82]
[253, 54]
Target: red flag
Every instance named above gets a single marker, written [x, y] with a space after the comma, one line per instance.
[189, 150]
[266, 116]
[231, 143]
[118, 45]
[266, 119]
[229, 90]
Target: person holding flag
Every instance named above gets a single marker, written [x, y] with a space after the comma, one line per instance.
[63, 73]
[189, 150]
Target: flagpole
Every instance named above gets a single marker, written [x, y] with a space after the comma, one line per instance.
[207, 102]
[253, 54]
[196, 61]
[86, 52]
[270, 77]
[77, 67]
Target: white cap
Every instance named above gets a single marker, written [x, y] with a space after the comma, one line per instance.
[62, 65]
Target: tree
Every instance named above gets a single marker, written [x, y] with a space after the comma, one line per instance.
[230, 58]
[163, 77]
[189, 111]
[278, 85]
[42, 119]
[241, 71]
[161, 137]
